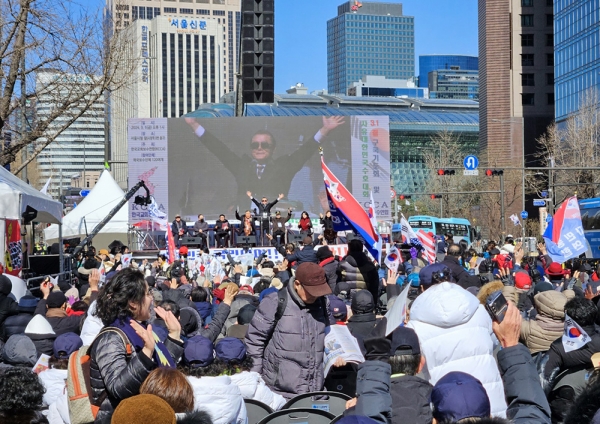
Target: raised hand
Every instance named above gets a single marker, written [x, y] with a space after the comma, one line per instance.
[542, 248]
[172, 323]
[249, 193]
[509, 330]
[94, 279]
[281, 196]
[330, 123]
[192, 123]
[230, 293]
[147, 336]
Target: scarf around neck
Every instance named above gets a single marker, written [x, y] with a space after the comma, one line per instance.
[161, 355]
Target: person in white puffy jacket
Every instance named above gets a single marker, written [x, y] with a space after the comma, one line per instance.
[231, 353]
[218, 396]
[455, 332]
[54, 378]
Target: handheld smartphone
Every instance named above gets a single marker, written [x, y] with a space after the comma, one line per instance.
[496, 305]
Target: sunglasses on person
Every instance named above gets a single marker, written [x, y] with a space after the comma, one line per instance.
[261, 145]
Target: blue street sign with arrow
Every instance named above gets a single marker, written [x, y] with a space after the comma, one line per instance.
[471, 162]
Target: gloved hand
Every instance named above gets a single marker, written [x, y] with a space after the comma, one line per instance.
[413, 252]
[378, 349]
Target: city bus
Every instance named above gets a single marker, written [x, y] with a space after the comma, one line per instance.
[460, 228]
[590, 218]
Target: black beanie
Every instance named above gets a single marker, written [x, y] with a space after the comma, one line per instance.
[323, 253]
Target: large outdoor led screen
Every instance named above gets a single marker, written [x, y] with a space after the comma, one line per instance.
[208, 165]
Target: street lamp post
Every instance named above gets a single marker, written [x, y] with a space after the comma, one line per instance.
[511, 120]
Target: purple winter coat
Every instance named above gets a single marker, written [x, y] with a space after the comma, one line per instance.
[291, 359]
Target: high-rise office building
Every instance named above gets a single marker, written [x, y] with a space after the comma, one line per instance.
[79, 148]
[434, 62]
[178, 71]
[453, 83]
[226, 13]
[371, 39]
[516, 73]
[577, 53]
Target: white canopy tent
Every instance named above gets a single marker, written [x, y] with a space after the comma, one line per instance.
[15, 196]
[94, 208]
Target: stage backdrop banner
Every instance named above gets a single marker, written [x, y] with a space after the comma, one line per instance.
[211, 163]
[148, 161]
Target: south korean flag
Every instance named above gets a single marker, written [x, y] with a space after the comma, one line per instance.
[574, 336]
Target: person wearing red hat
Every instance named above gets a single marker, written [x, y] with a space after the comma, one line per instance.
[556, 274]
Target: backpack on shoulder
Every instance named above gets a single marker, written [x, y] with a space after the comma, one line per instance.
[82, 409]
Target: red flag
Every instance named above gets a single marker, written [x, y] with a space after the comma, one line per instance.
[171, 243]
[428, 242]
[343, 202]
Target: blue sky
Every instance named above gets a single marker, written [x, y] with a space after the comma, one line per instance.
[441, 27]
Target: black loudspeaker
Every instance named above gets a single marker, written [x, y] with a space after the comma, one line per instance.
[29, 215]
[258, 51]
[188, 241]
[295, 238]
[244, 240]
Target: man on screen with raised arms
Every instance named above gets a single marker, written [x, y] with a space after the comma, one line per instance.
[260, 172]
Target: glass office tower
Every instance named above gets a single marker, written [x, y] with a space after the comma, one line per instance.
[576, 53]
[373, 39]
[435, 62]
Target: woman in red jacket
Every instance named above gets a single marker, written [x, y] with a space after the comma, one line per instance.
[305, 226]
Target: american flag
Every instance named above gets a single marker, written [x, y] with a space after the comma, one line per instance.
[427, 241]
[408, 234]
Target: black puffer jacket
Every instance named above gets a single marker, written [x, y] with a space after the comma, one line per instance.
[121, 378]
[361, 325]
[15, 324]
[8, 306]
[360, 273]
[330, 266]
[410, 400]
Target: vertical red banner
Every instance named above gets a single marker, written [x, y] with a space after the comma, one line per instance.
[14, 251]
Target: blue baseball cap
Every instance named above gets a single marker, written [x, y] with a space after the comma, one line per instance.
[229, 349]
[198, 352]
[457, 396]
[425, 275]
[66, 344]
[337, 307]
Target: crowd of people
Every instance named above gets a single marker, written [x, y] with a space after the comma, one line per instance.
[165, 342]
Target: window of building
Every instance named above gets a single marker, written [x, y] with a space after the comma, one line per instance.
[122, 7]
[550, 59]
[186, 11]
[549, 40]
[527, 59]
[170, 10]
[549, 19]
[527, 80]
[550, 98]
[527, 3]
[202, 12]
[218, 13]
[528, 99]
[550, 79]
[526, 40]
[526, 20]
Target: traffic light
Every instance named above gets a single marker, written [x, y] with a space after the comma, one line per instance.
[442, 172]
[494, 172]
[404, 197]
[436, 196]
